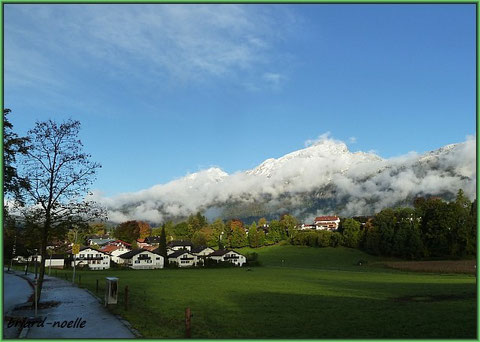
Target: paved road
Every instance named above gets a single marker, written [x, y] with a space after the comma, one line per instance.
[15, 290]
[74, 305]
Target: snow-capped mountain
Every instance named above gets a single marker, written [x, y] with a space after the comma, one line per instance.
[324, 178]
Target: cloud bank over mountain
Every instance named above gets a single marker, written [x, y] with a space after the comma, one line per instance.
[323, 178]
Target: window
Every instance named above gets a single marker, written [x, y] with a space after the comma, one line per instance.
[158, 258]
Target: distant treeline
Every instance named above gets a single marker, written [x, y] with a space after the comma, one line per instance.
[432, 228]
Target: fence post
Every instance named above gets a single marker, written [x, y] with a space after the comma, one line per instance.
[126, 298]
[188, 323]
[96, 289]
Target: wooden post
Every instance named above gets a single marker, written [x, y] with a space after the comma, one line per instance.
[126, 297]
[96, 289]
[188, 323]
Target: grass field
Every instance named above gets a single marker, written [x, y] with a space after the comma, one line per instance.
[312, 293]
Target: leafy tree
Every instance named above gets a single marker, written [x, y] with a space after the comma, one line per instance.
[324, 238]
[385, 222]
[275, 233]
[58, 174]
[13, 146]
[196, 222]
[288, 223]
[372, 238]
[128, 231]
[436, 222]
[200, 238]
[144, 229]
[156, 231]
[237, 236]
[182, 231]
[407, 241]
[253, 236]
[261, 237]
[98, 228]
[262, 222]
[336, 239]
[351, 233]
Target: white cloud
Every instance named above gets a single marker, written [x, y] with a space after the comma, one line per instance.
[352, 140]
[364, 183]
[187, 43]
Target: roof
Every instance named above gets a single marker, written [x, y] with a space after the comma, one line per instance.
[141, 240]
[326, 218]
[176, 254]
[179, 243]
[123, 242]
[101, 241]
[93, 249]
[222, 252]
[109, 248]
[198, 249]
[152, 239]
[133, 252]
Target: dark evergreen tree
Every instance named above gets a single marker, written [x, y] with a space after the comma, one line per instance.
[162, 246]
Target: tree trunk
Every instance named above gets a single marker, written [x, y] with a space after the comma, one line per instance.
[43, 258]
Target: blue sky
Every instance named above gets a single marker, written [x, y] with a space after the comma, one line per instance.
[164, 90]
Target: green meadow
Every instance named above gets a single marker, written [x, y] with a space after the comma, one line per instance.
[298, 292]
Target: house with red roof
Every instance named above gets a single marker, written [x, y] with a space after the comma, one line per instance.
[327, 222]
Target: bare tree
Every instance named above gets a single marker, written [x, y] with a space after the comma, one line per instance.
[59, 174]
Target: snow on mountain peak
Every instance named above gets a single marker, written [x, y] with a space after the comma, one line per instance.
[326, 152]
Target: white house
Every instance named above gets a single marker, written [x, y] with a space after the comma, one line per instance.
[115, 251]
[179, 245]
[95, 260]
[202, 251]
[142, 259]
[228, 255]
[327, 222]
[183, 258]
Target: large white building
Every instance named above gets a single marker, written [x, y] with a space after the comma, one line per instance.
[183, 258]
[327, 222]
[142, 259]
[228, 255]
[94, 259]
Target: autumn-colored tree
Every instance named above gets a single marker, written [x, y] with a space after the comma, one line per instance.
[132, 230]
[262, 222]
[237, 236]
[144, 229]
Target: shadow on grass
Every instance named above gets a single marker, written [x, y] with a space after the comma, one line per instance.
[278, 315]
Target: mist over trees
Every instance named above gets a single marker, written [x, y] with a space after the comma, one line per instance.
[433, 228]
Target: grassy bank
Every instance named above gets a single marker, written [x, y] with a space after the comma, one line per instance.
[312, 293]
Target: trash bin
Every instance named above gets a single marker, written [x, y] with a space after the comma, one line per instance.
[111, 290]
